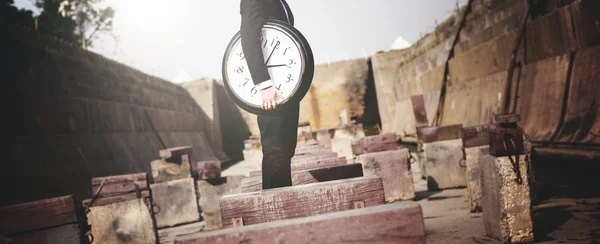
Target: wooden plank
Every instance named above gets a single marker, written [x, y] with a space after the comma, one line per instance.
[318, 163]
[308, 158]
[324, 174]
[301, 201]
[65, 234]
[439, 133]
[175, 155]
[209, 170]
[378, 143]
[444, 170]
[391, 223]
[119, 184]
[37, 214]
[115, 199]
[394, 169]
[251, 184]
[122, 222]
[308, 149]
[476, 136]
[163, 171]
[507, 214]
[255, 173]
[168, 235]
[312, 152]
[176, 201]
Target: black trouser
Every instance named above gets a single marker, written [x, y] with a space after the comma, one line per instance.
[278, 136]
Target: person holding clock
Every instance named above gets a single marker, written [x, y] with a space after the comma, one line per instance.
[278, 129]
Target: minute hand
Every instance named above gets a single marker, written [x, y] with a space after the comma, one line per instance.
[270, 55]
[277, 65]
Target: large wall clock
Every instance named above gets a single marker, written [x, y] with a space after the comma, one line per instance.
[290, 65]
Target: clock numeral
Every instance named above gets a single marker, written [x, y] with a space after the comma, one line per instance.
[278, 87]
[291, 62]
[247, 80]
[289, 78]
[241, 55]
[253, 91]
[266, 41]
[284, 52]
[240, 70]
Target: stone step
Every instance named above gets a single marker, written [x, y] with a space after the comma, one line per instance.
[175, 203]
[391, 223]
[325, 174]
[300, 201]
[394, 169]
[378, 143]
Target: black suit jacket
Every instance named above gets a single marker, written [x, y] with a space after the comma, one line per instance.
[255, 14]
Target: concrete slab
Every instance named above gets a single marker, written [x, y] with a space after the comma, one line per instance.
[176, 202]
[476, 156]
[122, 222]
[394, 169]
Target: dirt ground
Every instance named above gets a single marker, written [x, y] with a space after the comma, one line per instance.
[448, 221]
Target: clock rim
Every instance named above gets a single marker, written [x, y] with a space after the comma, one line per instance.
[306, 74]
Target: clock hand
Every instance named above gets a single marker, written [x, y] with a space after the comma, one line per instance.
[277, 65]
[270, 55]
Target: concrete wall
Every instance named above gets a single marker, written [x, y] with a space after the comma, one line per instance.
[559, 53]
[70, 115]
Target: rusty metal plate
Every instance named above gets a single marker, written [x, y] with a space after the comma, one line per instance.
[475, 136]
[440, 133]
[418, 103]
[508, 118]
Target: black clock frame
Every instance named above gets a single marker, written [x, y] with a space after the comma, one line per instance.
[307, 72]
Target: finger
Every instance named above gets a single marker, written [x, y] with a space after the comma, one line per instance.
[274, 105]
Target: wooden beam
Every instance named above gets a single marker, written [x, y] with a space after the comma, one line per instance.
[119, 184]
[301, 201]
[318, 163]
[163, 171]
[308, 158]
[251, 184]
[168, 235]
[391, 223]
[339, 172]
[378, 143]
[115, 199]
[37, 215]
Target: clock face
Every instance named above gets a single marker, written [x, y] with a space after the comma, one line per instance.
[284, 60]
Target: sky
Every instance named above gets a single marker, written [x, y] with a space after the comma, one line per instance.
[165, 37]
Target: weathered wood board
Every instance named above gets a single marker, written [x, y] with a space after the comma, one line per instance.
[101, 201]
[319, 163]
[301, 201]
[176, 202]
[122, 222]
[209, 170]
[390, 223]
[378, 143]
[37, 215]
[64, 234]
[443, 165]
[507, 214]
[324, 174]
[163, 171]
[119, 184]
[394, 169]
[308, 158]
[308, 149]
[168, 235]
[252, 183]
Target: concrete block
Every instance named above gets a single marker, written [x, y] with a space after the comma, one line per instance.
[394, 169]
[324, 138]
[300, 201]
[390, 223]
[476, 156]
[324, 174]
[209, 170]
[163, 171]
[122, 222]
[209, 194]
[506, 203]
[442, 164]
[176, 201]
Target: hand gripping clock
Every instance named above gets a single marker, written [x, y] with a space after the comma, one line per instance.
[289, 61]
